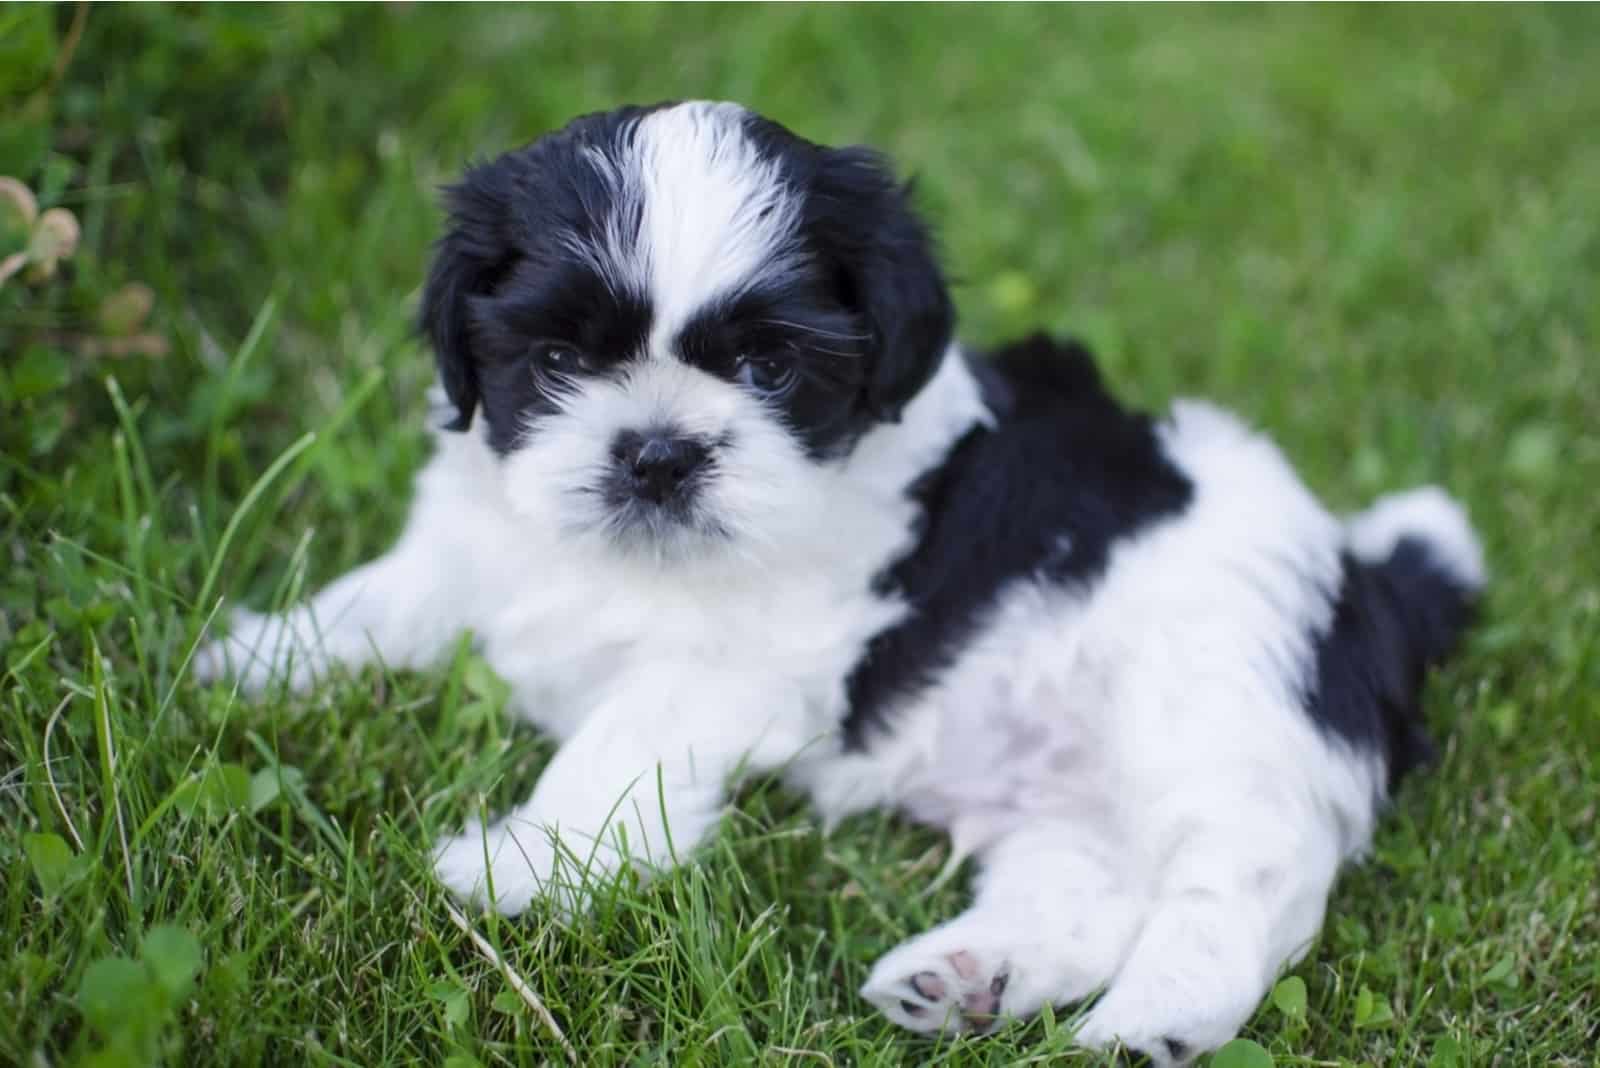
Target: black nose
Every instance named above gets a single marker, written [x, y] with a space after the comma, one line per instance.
[657, 465]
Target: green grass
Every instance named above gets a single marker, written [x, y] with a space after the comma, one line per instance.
[1374, 232]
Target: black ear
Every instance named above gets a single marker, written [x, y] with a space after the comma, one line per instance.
[886, 271]
[470, 260]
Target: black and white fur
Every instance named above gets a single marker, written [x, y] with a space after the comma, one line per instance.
[721, 497]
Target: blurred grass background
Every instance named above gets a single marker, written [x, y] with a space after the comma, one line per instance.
[1372, 231]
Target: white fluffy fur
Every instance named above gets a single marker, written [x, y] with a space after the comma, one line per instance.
[710, 212]
[1153, 812]
[1428, 513]
[679, 674]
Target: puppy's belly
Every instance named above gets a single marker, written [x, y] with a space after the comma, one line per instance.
[1115, 708]
[1014, 730]
[1009, 733]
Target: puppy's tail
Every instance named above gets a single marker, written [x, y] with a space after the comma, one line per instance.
[1423, 548]
[1413, 571]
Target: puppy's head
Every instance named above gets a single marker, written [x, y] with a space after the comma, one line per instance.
[672, 321]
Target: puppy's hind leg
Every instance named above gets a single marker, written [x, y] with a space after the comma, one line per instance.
[1235, 905]
[1050, 923]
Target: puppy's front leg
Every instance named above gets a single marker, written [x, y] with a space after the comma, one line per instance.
[642, 782]
[403, 608]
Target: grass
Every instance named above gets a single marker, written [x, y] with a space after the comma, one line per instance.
[1372, 231]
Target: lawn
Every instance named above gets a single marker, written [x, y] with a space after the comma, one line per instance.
[1374, 232]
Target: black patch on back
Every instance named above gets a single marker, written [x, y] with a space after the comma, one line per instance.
[1392, 621]
[1046, 492]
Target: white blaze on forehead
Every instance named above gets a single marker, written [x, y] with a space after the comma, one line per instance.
[711, 213]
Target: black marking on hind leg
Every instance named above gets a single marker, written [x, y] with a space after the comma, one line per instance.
[1177, 1049]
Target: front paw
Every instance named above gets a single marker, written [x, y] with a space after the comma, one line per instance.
[507, 867]
[257, 650]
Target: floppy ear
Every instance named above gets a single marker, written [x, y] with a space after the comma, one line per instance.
[886, 272]
[468, 261]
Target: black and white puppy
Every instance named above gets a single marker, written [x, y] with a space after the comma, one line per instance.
[721, 496]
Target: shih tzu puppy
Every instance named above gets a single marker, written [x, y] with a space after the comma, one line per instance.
[720, 496]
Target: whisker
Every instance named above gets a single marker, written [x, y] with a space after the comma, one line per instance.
[834, 352]
[803, 328]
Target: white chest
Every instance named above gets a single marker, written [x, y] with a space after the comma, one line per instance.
[568, 641]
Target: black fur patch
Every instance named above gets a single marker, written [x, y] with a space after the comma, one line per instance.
[1392, 621]
[1065, 473]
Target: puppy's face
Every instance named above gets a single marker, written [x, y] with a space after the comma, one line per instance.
[673, 320]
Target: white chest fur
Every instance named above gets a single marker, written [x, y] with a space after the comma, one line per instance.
[568, 625]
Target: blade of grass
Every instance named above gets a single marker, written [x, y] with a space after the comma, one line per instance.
[245, 506]
[222, 409]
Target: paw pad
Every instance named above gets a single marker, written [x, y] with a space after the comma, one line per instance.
[952, 992]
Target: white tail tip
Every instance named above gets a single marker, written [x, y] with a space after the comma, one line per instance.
[1428, 514]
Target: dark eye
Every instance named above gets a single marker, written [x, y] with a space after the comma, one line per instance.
[561, 358]
[764, 374]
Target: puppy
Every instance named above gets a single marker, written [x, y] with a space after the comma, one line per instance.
[720, 496]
